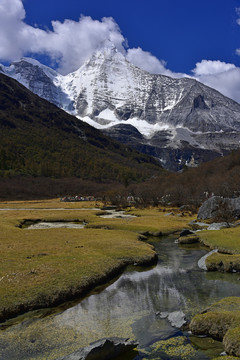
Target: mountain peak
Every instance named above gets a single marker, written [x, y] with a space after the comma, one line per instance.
[46, 69]
[107, 44]
[108, 90]
[30, 61]
[106, 55]
[107, 50]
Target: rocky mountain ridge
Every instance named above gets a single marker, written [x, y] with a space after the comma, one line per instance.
[179, 121]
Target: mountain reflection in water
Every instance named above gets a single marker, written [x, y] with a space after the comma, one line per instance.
[136, 305]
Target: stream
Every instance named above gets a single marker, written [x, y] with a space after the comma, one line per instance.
[148, 305]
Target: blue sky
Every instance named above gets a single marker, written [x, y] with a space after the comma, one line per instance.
[171, 37]
[180, 32]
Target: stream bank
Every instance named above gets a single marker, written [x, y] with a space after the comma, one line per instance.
[143, 305]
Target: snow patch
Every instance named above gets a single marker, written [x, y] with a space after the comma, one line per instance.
[32, 61]
[145, 128]
[108, 114]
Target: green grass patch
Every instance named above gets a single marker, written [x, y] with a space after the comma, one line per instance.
[44, 267]
[50, 204]
[226, 240]
[178, 347]
[231, 341]
[147, 220]
[226, 358]
[221, 321]
[223, 262]
[41, 267]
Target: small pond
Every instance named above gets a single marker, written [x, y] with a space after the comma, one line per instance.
[56, 225]
[116, 214]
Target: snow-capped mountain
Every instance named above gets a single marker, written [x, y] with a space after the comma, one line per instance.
[154, 113]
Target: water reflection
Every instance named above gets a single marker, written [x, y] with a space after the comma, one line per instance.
[175, 284]
[55, 225]
[130, 307]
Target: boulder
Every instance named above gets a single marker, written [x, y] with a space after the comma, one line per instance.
[218, 206]
[104, 349]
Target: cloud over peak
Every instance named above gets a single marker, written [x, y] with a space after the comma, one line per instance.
[221, 76]
[210, 67]
[70, 43]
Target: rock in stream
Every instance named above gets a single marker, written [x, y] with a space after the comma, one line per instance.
[104, 349]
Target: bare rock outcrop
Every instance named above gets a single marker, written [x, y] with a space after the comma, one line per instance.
[219, 207]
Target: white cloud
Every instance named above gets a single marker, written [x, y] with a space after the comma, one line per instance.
[238, 22]
[70, 43]
[16, 37]
[146, 61]
[221, 76]
[238, 13]
[210, 67]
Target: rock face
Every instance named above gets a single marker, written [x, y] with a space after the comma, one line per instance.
[217, 205]
[180, 121]
[40, 79]
[105, 349]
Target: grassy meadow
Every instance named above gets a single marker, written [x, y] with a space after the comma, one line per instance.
[44, 267]
[222, 319]
[227, 241]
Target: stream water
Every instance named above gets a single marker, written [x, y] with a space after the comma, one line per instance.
[146, 305]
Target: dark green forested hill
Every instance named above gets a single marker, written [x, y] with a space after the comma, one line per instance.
[220, 177]
[39, 139]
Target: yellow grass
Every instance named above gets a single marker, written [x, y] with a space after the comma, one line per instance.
[226, 240]
[150, 219]
[52, 203]
[37, 267]
[221, 321]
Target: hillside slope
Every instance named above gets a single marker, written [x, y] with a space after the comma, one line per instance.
[193, 186]
[39, 139]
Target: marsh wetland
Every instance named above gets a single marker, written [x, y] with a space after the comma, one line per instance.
[152, 305]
